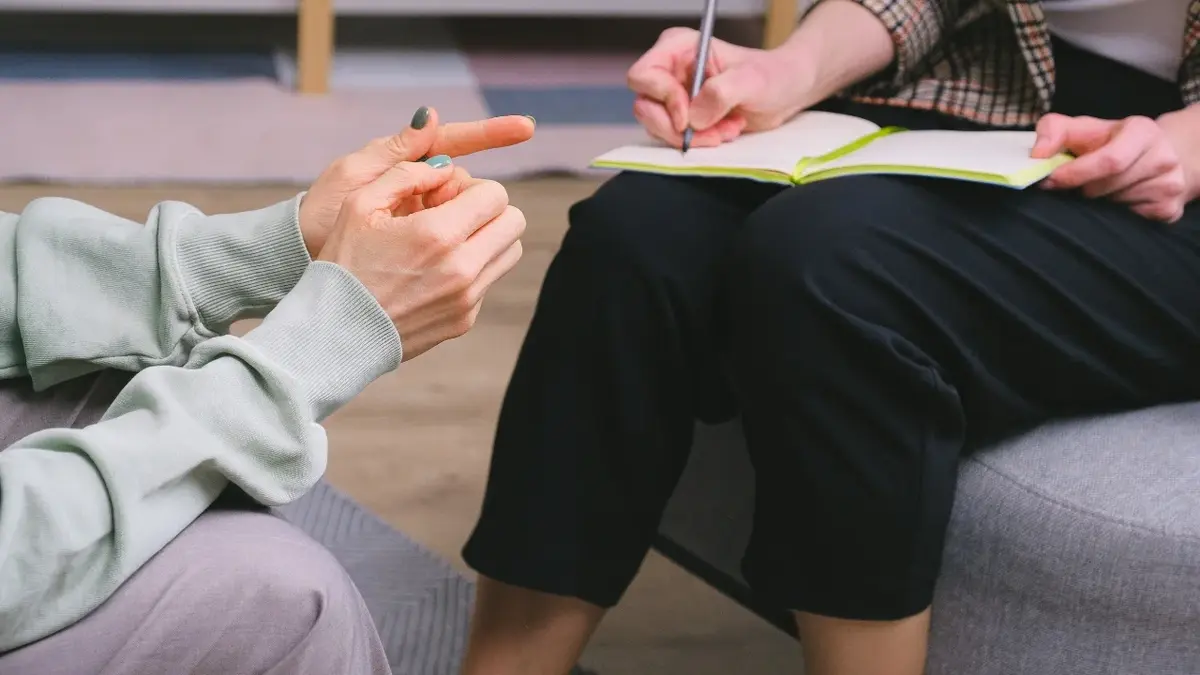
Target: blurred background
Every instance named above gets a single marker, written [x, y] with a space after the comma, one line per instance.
[234, 104]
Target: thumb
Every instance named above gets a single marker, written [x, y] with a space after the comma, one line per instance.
[1078, 135]
[410, 145]
[719, 95]
[401, 181]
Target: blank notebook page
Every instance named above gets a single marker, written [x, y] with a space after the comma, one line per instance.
[810, 134]
[1002, 153]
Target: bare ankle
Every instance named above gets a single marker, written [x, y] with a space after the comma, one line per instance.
[517, 631]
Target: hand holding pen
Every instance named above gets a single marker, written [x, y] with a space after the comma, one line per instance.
[734, 89]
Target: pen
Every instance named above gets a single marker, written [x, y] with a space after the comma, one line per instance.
[706, 31]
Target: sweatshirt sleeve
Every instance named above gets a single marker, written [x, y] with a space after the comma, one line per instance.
[81, 289]
[81, 510]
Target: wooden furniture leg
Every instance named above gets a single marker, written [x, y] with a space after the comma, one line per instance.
[780, 21]
[314, 45]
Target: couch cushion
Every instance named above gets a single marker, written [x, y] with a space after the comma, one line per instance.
[1075, 550]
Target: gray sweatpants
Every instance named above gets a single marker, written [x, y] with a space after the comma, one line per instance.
[239, 592]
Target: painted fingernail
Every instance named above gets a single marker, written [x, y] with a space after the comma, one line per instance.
[439, 162]
[420, 118]
[531, 119]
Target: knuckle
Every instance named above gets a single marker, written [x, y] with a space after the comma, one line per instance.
[345, 166]
[517, 217]
[459, 278]
[463, 324]
[430, 237]
[1142, 124]
[493, 198]
[439, 239]
[1160, 210]
[463, 302]
[718, 88]
[1108, 163]
[471, 298]
[674, 33]
[1052, 119]
[396, 146]
[1175, 186]
[1165, 158]
[497, 192]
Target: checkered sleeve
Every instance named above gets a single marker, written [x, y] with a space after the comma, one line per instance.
[918, 28]
[1189, 70]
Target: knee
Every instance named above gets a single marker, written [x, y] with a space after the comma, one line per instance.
[626, 226]
[822, 268]
[807, 230]
[268, 568]
[827, 244]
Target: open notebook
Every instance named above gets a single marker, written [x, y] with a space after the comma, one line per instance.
[819, 145]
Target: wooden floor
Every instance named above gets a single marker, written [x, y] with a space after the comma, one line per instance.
[414, 447]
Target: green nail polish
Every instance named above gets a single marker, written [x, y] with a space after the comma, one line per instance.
[439, 162]
[531, 119]
[420, 118]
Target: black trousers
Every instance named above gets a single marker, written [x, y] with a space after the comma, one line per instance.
[869, 330]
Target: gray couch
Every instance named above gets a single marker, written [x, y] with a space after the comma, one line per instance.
[1073, 550]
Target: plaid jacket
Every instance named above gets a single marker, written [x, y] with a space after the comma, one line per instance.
[987, 61]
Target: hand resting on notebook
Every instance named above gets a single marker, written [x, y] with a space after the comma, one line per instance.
[1145, 163]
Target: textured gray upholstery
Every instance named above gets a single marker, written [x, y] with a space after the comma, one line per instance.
[1073, 550]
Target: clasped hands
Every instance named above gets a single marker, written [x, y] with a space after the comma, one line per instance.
[424, 237]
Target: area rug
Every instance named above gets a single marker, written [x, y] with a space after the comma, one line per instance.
[224, 111]
[421, 605]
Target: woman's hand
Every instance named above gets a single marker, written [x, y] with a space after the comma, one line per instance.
[423, 138]
[1136, 161]
[429, 268]
[744, 90]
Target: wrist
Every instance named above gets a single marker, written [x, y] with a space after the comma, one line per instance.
[305, 216]
[838, 44]
[331, 335]
[792, 64]
[239, 266]
[1182, 128]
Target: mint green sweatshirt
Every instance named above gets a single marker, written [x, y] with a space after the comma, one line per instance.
[81, 290]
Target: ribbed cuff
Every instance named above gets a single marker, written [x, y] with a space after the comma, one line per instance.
[240, 265]
[331, 335]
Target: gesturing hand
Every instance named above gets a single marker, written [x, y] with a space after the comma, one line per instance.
[423, 138]
[1133, 161]
[743, 90]
[429, 269]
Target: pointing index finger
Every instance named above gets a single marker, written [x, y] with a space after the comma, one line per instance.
[464, 138]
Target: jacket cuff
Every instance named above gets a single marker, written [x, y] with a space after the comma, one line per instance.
[240, 266]
[331, 335]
